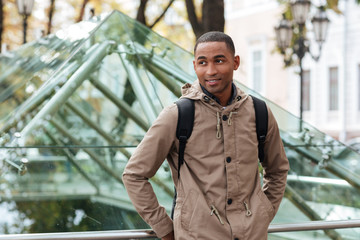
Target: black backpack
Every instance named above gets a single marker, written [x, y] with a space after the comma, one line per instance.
[186, 110]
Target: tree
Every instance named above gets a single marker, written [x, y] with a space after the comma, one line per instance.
[82, 10]
[1, 22]
[212, 18]
[51, 13]
[141, 13]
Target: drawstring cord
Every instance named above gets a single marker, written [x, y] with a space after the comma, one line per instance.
[229, 122]
[216, 213]
[218, 130]
[248, 211]
[229, 119]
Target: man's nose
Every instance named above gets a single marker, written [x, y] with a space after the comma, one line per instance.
[211, 69]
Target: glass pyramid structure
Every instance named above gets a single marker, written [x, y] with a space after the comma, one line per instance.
[74, 106]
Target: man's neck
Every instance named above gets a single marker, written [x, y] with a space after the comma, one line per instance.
[225, 102]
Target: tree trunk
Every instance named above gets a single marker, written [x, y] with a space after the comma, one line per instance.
[1, 22]
[193, 18]
[141, 12]
[82, 11]
[212, 16]
[51, 13]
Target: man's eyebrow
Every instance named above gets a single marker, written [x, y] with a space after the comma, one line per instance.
[220, 56]
[215, 57]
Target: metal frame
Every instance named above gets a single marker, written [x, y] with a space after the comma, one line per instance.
[80, 113]
[164, 65]
[146, 234]
[316, 157]
[138, 85]
[72, 160]
[90, 152]
[70, 86]
[122, 105]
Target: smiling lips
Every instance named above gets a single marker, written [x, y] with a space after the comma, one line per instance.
[212, 81]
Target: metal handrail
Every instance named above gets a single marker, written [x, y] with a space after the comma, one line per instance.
[313, 225]
[96, 235]
[146, 234]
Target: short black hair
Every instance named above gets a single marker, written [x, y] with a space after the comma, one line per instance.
[216, 36]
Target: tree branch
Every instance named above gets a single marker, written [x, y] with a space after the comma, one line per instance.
[51, 13]
[162, 15]
[82, 10]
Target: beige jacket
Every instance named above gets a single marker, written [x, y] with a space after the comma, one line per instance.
[219, 192]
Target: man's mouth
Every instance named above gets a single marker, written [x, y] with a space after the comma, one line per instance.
[212, 80]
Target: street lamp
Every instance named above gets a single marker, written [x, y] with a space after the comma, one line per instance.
[286, 32]
[24, 9]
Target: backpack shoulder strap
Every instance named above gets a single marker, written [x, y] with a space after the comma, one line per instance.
[261, 120]
[186, 112]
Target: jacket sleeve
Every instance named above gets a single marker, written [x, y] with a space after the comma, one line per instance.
[144, 163]
[275, 164]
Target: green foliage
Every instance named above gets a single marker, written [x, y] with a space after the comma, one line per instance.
[72, 216]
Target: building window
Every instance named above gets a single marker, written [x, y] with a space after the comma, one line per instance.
[257, 71]
[333, 89]
[306, 90]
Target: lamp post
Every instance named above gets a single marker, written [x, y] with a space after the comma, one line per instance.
[24, 9]
[287, 31]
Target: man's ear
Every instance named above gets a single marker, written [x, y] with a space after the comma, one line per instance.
[194, 65]
[236, 62]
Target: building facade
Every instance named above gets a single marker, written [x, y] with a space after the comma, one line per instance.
[331, 99]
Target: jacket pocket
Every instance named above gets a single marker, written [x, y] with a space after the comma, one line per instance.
[266, 205]
[187, 209]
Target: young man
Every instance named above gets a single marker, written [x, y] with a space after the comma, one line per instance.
[219, 194]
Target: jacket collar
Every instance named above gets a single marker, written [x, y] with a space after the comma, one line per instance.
[195, 92]
[233, 94]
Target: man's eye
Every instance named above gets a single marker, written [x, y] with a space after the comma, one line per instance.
[202, 63]
[219, 61]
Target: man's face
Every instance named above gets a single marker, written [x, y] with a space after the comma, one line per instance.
[214, 65]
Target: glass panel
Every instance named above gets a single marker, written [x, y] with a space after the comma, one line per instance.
[74, 107]
[70, 189]
[66, 139]
[26, 70]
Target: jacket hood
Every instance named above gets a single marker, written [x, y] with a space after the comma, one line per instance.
[194, 91]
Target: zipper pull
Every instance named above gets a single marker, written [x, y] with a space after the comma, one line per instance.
[215, 211]
[248, 211]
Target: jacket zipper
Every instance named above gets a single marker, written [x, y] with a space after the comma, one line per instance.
[248, 211]
[216, 212]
